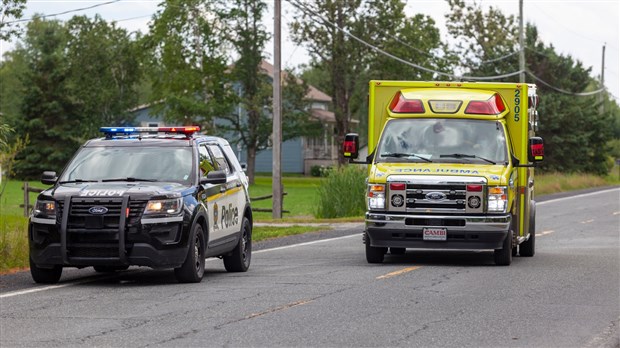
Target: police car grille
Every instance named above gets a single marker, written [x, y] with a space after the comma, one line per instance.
[80, 219]
[455, 195]
[136, 208]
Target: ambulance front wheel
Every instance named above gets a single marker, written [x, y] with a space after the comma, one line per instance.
[374, 254]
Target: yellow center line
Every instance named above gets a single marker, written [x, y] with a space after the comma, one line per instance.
[587, 221]
[399, 272]
[544, 233]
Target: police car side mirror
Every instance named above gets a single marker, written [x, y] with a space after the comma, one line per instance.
[49, 178]
[214, 177]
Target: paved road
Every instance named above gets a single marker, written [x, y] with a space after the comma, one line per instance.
[323, 293]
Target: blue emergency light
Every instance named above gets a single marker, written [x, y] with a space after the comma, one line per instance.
[112, 131]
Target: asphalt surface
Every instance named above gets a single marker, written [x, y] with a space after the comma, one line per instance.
[311, 291]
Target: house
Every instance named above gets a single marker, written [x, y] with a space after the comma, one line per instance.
[299, 155]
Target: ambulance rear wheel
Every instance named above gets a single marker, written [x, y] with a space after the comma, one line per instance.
[527, 248]
[503, 256]
[374, 254]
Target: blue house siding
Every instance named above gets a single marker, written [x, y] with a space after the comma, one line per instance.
[292, 158]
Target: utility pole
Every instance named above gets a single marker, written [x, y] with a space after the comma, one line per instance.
[521, 45]
[276, 185]
[601, 97]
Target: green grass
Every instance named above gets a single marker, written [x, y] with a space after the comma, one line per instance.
[269, 232]
[13, 242]
[556, 182]
[13, 196]
[300, 199]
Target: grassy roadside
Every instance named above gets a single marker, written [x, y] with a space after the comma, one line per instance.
[300, 201]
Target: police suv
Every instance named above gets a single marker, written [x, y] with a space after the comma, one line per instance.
[163, 197]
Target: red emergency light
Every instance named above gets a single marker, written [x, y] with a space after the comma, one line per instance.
[402, 105]
[492, 106]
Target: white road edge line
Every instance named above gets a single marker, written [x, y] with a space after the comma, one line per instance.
[52, 287]
[577, 196]
[307, 243]
[23, 292]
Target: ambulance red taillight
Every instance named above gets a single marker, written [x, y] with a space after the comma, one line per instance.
[492, 106]
[402, 105]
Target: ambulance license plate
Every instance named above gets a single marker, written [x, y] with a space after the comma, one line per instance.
[440, 234]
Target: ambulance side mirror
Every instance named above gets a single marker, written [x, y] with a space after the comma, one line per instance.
[350, 147]
[537, 149]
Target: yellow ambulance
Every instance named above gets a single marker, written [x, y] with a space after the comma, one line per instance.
[450, 166]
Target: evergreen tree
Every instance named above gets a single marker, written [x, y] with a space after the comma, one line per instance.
[50, 116]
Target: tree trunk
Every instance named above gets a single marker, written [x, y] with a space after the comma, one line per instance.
[251, 163]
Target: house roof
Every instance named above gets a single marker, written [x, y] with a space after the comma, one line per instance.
[313, 92]
[327, 116]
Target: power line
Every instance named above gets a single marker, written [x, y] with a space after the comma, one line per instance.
[64, 12]
[585, 94]
[307, 11]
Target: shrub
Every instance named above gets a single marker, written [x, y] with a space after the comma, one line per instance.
[342, 193]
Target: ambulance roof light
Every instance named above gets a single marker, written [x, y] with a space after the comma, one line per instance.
[492, 106]
[402, 105]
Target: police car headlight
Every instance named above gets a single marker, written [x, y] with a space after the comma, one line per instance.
[44, 209]
[164, 207]
[498, 199]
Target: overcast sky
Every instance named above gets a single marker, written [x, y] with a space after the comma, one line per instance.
[578, 28]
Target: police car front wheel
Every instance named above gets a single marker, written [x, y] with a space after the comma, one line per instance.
[192, 270]
[45, 275]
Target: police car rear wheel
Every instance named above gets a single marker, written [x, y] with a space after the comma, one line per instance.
[45, 275]
[239, 259]
[193, 268]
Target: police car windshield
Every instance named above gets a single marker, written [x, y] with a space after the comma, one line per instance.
[443, 140]
[167, 164]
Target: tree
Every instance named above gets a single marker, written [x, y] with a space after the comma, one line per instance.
[248, 37]
[191, 79]
[10, 9]
[322, 26]
[50, 116]
[101, 52]
[483, 38]
[576, 134]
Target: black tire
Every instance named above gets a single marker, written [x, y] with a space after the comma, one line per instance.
[503, 256]
[109, 269]
[239, 259]
[397, 251]
[528, 248]
[374, 254]
[192, 270]
[514, 251]
[45, 275]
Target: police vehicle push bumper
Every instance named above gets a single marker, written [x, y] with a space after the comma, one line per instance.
[158, 245]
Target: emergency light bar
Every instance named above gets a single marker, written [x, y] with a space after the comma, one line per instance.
[111, 131]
